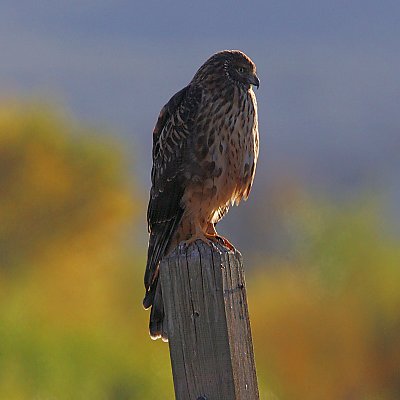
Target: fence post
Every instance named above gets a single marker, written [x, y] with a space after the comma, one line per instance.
[208, 324]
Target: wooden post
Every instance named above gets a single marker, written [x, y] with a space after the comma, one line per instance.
[208, 324]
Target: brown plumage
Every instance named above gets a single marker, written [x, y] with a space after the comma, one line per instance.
[205, 149]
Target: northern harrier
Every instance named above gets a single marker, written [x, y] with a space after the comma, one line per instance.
[205, 149]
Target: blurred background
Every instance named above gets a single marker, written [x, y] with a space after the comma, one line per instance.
[82, 83]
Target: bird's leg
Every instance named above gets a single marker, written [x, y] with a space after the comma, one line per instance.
[195, 232]
[193, 238]
[211, 229]
[207, 236]
[226, 243]
[213, 235]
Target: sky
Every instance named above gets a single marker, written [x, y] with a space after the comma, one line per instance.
[329, 96]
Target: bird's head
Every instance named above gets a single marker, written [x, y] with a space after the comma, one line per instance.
[241, 69]
[233, 65]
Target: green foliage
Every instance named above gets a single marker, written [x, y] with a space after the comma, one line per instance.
[326, 322]
[328, 326]
[71, 321]
[60, 187]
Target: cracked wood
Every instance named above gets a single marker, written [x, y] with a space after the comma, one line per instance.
[208, 324]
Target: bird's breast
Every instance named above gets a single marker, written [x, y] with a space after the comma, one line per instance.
[225, 148]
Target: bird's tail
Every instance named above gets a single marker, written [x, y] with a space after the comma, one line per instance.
[159, 242]
[157, 325]
[153, 299]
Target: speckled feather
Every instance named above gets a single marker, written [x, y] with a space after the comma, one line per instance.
[205, 149]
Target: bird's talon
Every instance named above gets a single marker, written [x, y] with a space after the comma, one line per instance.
[226, 243]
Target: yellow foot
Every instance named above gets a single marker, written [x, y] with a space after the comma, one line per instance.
[219, 239]
[210, 239]
[204, 237]
[225, 242]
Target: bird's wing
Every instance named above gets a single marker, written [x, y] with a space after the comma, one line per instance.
[169, 148]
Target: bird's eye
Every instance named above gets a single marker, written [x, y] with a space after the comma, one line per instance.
[241, 69]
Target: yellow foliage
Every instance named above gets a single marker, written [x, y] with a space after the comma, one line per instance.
[326, 321]
[71, 321]
[328, 326]
[61, 188]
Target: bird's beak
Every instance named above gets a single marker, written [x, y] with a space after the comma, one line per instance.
[254, 80]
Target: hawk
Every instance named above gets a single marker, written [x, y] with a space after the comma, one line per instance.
[205, 149]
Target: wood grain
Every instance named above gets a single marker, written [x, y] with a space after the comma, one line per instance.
[208, 324]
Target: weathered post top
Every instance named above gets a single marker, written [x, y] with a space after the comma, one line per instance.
[208, 324]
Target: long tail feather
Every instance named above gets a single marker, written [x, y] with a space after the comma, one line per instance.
[157, 325]
[159, 241]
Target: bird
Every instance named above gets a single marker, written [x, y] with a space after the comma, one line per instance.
[205, 150]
